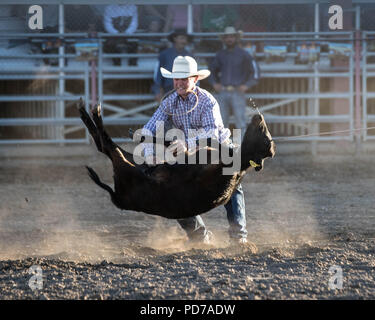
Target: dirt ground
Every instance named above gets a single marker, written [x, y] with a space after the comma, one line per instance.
[312, 220]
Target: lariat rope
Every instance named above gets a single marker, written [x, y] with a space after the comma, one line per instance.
[254, 106]
[195, 105]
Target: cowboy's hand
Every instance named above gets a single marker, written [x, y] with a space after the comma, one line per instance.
[243, 88]
[217, 87]
[179, 146]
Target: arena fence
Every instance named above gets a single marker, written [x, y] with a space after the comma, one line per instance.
[368, 90]
[308, 74]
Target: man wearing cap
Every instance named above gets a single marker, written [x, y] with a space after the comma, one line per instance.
[179, 108]
[234, 71]
[180, 39]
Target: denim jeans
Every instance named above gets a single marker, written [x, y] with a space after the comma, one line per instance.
[236, 102]
[196, 229]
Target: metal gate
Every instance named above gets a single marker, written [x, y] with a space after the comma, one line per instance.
[368, 89]
[298, 99]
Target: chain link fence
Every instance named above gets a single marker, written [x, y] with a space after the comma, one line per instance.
[136, 30]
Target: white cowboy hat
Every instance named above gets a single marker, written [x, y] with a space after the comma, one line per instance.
[184, 67]
[231, 30]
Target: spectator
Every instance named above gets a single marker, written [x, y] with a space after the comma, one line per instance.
[121, 19]
[234, 71]
[180, 39]
[81, 19]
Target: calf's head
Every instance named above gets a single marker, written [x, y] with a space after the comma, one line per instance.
[257, 144]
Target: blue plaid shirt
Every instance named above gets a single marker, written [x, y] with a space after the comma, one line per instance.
[205, 118]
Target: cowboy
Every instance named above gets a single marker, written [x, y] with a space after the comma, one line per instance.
[234, 71]
[180, 40]
[181, 109]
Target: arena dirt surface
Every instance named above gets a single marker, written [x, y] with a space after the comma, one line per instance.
[303, 215]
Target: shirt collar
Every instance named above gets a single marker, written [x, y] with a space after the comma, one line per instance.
[190, 97]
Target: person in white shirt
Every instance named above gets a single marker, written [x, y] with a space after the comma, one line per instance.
[121, 19]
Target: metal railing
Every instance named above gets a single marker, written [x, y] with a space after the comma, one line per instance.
[307, 122]
[291, 110]
[368, 72]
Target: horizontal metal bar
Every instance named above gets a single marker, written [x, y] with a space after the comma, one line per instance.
[128, 76]
[265, 74]
[39, 98]
[128, 97]
[41, 141]
[110, 120]
[295, 139]
[370, 94]
[299, 95]
[38, 56]
[44, 35]
[330, 138]
[253, 95]
[320, 119]
[119, 140]
[133, 35]
[130, 55]
[305, 75]
[39, 121]
[42, 76]
[42, 69]
[265, 34]
[69, 121]
[127, 69]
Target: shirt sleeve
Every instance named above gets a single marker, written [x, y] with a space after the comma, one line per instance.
[151, 126]
[251, 71]
[212, 126]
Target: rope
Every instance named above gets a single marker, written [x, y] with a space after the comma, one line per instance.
[196, 103]
[254, 106]
[321, 134]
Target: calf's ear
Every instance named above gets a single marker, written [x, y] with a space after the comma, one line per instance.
[257, 120]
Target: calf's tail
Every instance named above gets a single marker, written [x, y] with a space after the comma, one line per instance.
[93, 175]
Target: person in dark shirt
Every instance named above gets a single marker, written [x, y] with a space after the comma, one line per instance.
[81, 19]
[180, 40]
[234, 71]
